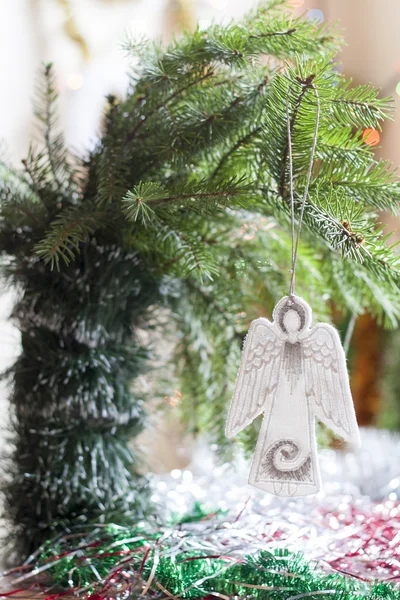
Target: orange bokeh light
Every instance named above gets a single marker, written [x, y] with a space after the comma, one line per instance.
[248, 231]
[173, 400]
[371, 137]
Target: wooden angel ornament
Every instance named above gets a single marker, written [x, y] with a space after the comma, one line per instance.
[292, 373]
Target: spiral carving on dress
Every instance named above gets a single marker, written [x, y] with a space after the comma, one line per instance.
[281, 462]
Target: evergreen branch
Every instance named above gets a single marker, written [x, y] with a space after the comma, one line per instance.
[360, 105]
[198, 196]
[240, 142]
[50, 98]
[68, 231]
[208, 385]
[356, 288]
[372, 183]
[264, 32]
[140, 202]
[274, 33]
[165, 103]
[27, 164]
[112, 167]
[17, 197]
[344, 226]
[136, 201]
[305, 86]
[51, 165]
[182, 251]
[218, 115]
[21, 208]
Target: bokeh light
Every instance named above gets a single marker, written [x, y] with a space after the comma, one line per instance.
[74, 81]
[371, 136]
[314, 14]
[248, 231]
[219, 4]
[173, 400]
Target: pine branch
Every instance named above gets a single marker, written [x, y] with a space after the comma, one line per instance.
[48, 119]
[167, 100]
[68, 231]
[181, 251]
[18, 198]
[359, 106]
[273, 33]
[245, 139]
[372, 183]
[306, 84]
[344, 227]
[196, 195]
[220, 195]
[46, 114]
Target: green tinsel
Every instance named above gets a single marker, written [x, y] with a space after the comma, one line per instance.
[198, 560]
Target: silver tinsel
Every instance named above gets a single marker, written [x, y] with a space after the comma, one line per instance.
[360, 490]
[372, 471]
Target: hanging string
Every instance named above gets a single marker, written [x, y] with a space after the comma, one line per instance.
[349, 333]
[295, 242]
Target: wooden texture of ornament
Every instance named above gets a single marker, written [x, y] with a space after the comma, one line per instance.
[292, 373]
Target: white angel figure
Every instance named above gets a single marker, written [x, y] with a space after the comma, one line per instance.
[292, 372]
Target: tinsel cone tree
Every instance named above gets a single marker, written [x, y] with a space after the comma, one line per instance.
[183, 203]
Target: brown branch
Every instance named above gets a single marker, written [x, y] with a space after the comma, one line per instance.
[168, 199]
[66, 232]
[365, 184]
[355, 103]
[274, 33]
[139, 125]
[230, 80]
[28, 213]
[63, 238]
[307, 84]
[34, 184]
[21, 207]
[240, 142]
[47, 131]
[246, 137]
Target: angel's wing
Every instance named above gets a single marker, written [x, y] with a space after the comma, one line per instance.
[327, 382]
[258, 375]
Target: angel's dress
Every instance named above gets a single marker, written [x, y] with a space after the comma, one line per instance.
[285, 461]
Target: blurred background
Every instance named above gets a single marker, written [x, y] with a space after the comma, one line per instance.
[83, 39]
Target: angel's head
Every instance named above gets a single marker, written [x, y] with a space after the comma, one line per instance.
[292, 315]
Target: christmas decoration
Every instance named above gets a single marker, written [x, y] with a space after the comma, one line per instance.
[291, 372]
[239, 541]
[153, 216]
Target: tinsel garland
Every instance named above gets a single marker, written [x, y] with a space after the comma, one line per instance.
[336, 544]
